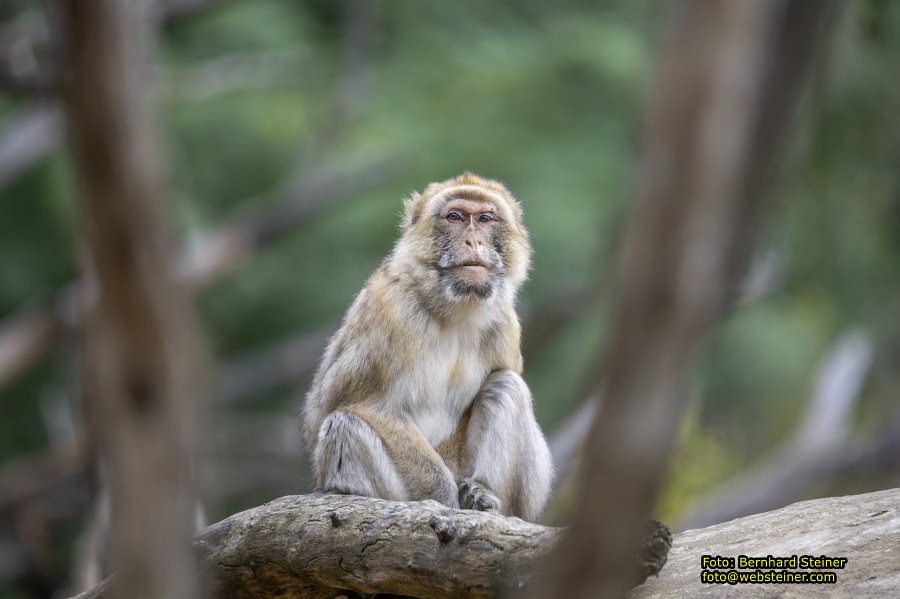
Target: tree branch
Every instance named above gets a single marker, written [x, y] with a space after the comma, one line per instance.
[36, 130]
[28, 335]
[29, 136]
[144, 356]
[817, 448]
[315, 545]
[729, 80]
[294, 546]
[279, 364]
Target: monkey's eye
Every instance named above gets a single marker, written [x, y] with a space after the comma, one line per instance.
[486, 218]
[455, 215]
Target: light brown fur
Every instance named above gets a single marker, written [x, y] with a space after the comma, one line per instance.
[404, 403]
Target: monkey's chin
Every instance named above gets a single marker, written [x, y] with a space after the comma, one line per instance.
[463, 287]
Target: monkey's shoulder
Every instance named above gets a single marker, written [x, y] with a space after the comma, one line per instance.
[387, 342]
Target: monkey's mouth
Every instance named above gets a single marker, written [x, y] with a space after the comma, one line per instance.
[472, 264]
[474, 272]
[472, 276]
[469, 278]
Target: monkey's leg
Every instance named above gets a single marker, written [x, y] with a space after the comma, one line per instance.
[365, 453]
[350, 458]
[507, 458]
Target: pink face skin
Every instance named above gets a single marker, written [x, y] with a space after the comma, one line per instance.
[472, 223]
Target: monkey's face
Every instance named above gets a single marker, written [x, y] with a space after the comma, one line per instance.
[470, 234]
[467, 232]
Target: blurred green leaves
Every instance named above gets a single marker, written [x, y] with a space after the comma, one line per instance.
[547, 98]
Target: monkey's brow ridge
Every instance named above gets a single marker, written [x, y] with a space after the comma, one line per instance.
[471, 193]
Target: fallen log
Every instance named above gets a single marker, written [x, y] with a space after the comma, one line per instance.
[321, 546]
[318, 546]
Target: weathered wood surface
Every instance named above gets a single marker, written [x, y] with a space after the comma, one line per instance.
[310, 545]
[317, 546]
[863, 528]
[327, 545]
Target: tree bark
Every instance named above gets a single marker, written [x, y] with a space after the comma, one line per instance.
[863, 528]
[318, 546]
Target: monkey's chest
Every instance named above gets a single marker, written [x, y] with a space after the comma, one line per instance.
[449, 376]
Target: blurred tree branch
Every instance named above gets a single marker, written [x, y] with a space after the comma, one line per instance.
[570, 434]
[28, 137]
[29, 66]
[729, 79]
[25, 477]
[29, 335]
[544, 322]
[283, 363]
[169, 11]
[262, 458]
[251, 469]
[359, 33]
[774, 484]
[144, 358]
[815, 453]
[818, 456]
[52, 470]
[27, 85]
[237, 72]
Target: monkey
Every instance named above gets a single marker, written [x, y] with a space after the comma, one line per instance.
[419, 395]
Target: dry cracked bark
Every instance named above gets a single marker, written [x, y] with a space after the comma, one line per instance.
[317, 546]
[863, 528]
[327, 545]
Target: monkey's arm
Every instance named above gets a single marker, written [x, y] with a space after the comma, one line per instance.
[499, 454]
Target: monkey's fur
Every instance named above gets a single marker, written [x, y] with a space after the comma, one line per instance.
[419, 394]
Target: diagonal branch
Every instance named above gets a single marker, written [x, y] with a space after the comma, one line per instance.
[815, 452]
[27, 336]
[28, 137]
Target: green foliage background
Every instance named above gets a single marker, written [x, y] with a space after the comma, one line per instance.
[545, 97]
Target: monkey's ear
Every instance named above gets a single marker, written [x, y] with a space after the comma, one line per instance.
[412, 210]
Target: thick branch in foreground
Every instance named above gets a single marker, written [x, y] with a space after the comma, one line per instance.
[315, 546]
[143, 355]
[729, 79]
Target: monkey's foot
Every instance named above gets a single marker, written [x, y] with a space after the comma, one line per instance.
[475, 496]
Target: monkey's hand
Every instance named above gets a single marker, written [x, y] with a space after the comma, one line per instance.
[475, 496]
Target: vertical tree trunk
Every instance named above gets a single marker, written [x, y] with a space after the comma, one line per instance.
[141, 345]
[729, 79]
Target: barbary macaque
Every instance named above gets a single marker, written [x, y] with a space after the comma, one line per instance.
[419, 394]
